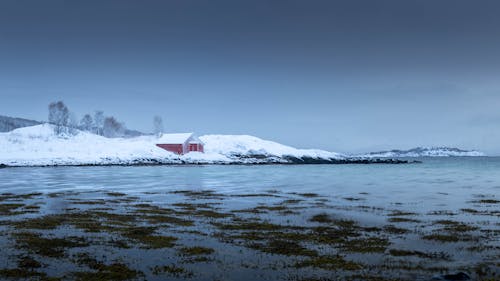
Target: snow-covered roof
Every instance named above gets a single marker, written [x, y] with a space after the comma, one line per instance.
[174, 138]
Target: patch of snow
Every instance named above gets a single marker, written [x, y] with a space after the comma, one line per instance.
[174, 138]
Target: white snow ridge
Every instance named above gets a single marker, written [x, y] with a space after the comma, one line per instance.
[39, 146]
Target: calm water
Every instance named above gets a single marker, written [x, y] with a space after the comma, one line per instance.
[437, 189]
[438, 182]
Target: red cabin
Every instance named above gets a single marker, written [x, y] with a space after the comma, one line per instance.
[180, 143]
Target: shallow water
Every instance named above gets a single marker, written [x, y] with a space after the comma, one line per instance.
[443, 174]
[443, 183]
[437, 189]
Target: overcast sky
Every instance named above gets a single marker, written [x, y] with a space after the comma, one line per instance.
[347, 76]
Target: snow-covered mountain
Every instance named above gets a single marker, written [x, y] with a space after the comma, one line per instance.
[424, 152]
[38, 145]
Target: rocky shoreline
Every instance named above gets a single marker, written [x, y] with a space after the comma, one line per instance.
[309, 160]
[247, 160]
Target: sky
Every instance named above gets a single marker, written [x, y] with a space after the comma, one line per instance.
[346, 76]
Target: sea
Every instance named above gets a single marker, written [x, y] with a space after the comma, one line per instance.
[428, 197]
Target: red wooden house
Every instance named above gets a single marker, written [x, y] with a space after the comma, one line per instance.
[180, 143]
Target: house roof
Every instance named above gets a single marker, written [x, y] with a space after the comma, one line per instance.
[179, 138]
[174, 138]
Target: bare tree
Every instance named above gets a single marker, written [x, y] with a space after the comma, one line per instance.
[86, 123]
[72, 124]
[99, 122]
[112, 128]
[59, 116]
[158, 125]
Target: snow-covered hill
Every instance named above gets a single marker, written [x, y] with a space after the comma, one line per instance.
[424, 152]
[247, 146]
[38, 145]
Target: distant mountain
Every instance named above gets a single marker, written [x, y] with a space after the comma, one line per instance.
[8, 124]
[424, 152]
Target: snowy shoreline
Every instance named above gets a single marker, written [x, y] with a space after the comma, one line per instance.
[39, 146]
[234, 163]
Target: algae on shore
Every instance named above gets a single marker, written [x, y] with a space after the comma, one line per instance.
[290, 233]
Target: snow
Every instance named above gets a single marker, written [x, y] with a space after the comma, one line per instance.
[39, 146]
[236, 145]
[174, 138]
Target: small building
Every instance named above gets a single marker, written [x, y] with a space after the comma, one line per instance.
[180, 143]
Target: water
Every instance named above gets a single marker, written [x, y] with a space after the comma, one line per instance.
[437, 189]
[437, 182]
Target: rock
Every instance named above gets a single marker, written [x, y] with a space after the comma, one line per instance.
[2, 166]
[310, 160]
[452, 277]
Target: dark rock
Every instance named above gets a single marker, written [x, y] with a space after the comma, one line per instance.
[3, 166]
[310, 160]
[452, 277]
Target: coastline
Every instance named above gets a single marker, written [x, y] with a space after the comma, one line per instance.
[289, 161]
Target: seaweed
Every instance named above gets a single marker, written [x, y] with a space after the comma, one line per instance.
[196, 251]
[330, 263]
[172, 270]
[48, 247]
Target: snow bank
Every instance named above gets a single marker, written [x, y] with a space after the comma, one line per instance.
[38, 145]
[244, 145]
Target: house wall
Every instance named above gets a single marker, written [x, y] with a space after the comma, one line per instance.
[175, 148]
[196, 147]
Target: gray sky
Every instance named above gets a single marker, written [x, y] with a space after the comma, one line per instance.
[346, 76]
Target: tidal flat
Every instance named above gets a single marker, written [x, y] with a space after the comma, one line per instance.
[269, 235]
